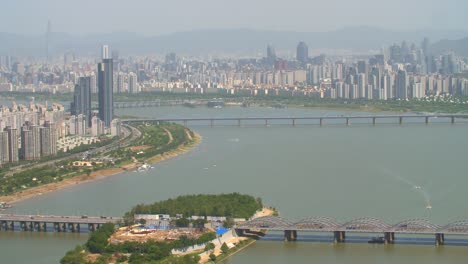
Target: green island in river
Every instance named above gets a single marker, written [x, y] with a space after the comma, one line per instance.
[189, 237]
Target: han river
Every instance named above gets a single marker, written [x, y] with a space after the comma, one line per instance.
[385, 171]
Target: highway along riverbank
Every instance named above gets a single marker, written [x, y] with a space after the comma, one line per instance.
[151, 143]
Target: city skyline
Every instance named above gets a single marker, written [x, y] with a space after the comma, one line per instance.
[164, 18]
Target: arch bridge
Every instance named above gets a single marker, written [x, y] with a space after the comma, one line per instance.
[360, 225]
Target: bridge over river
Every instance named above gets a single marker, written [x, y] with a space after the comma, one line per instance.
[43, 223]
[320, 120]
[361, 225]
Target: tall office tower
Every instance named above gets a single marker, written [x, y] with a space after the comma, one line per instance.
[93, 83]
[105, 52]
[132, 83]
[105, 91]
[52, 137]
[12, 143]
[401, 87]
[271, 54]
[4, 143]
[302, 52]
[82, 99]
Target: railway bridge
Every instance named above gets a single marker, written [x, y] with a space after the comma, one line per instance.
[361, 225]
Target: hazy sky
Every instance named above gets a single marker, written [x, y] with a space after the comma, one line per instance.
[153, 17]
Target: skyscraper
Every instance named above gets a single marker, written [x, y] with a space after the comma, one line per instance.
[105, 91]
[401, 87]
[302, 52]
[82, 99]
[271, 54]
[105, 52]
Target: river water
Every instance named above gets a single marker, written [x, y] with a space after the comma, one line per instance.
[305, 170]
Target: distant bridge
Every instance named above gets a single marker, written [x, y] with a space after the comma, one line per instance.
[451, 118]
[51, 222]
[361, 225]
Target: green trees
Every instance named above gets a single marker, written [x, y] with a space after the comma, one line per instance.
[98, 240]
[234, 205]
[212, 257]
[75, 256]
[209, 246]
[224, 248]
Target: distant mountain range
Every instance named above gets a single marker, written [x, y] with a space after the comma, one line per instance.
[229, 41]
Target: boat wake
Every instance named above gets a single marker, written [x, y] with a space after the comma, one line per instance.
[415, 187]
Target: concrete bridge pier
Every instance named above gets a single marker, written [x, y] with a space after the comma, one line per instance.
[401, 120]
[439, 239]
[211, 122]
[64, 227]
[44, 227]
[453, 120]
[24, 226]
[321, 121]
[31, 226]
[290, 235]
[373, 121]
[71, 227]
[347, 121]
[91, 227]
[294, 122]
[266, 122]
[427, 120]
[389, 237]
[340, 236]
[37, 227]
[57, 227]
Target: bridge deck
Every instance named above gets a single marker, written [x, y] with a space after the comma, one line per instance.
[59, 219]
[361, 225]
[297, 118]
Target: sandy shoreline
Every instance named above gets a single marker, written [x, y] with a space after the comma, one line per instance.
[95, 175]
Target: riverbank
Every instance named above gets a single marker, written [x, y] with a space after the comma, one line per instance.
[239, 243]
[95, 175]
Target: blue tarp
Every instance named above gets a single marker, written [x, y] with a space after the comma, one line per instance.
[221, 230]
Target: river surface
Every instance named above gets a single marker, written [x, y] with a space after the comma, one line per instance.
[386, 171]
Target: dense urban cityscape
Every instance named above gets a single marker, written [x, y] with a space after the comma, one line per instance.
[188, 132]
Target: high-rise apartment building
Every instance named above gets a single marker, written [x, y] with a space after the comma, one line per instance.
[132, 83]
[12, 144]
